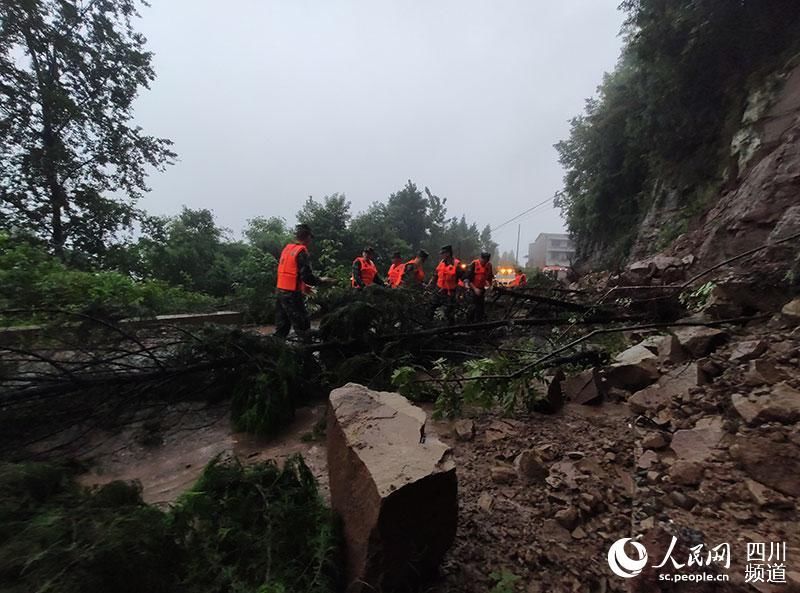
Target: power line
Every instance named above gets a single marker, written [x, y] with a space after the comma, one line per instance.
[521, 214]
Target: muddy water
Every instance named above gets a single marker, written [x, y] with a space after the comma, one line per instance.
[169, 460]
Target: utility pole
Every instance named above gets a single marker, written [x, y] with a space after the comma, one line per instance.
[516, 255]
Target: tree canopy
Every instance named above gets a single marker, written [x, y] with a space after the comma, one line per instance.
[72, 163]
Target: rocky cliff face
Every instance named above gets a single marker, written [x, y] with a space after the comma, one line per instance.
[760, 202]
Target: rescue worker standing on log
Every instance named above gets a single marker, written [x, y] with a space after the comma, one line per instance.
[479, 277]
[414, 271]
[365, 272]
[395, 273]
[294, 278]
[446, 278]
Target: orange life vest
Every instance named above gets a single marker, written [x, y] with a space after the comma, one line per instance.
[395, 275]
[288, 274]
[368, 271]
[519, 280]
[483, 273]
[447, 275]
[419, 272]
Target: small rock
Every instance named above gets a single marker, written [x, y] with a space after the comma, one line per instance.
[749, 350]
[568, 518]
[578, 533]
[547, 452]
[486, 502]
[574, 455]
[530, 467]
[686, 473]
[503, 475]
[464, 429]
[647, 459]
[681, 500]
[654, 440]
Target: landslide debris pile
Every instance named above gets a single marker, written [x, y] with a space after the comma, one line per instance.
[255, 528]
[693, 432]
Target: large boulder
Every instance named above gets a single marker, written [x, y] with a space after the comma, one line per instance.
[773, 464]
[634, 368]
[782, 404]
[792, 309]
[674, 384]
[583, 388]
[699, 443]
[394, 488]
[699, 340]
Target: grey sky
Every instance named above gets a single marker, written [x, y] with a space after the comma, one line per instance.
[271, 101]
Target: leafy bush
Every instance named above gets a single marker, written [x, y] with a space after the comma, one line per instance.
[31, 279]
[240, 529]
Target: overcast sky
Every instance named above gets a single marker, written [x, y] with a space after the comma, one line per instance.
[271, 101]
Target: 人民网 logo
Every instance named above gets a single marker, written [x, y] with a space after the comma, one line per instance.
[623, 565]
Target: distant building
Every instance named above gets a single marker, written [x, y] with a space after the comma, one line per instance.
[551, 249]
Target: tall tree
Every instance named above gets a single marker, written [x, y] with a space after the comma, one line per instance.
[69, 73]
[486, 242]
[330, 220]
[407, 210]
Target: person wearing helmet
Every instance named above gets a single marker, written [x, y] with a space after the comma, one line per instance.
[479, 277]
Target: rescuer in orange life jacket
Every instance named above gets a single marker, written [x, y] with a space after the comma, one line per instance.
[445, 278]
[414, 271]
[294, 278]
[365, 272]
[479, 277]
[395, 273]
[520, 280]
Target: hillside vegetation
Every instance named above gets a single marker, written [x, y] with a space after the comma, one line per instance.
[667, 114]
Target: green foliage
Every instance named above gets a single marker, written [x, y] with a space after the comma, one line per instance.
[257, 528]
[240, 529]
[697, 299]
[504, 581]
[266, 378]
[189, 250]
[254, 286]
[479, 382]
[32, 279]
[66, 135]
[667, 113]
[268, 235]
[54, 536]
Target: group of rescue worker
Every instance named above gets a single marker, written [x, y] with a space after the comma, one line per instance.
[449, 279]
